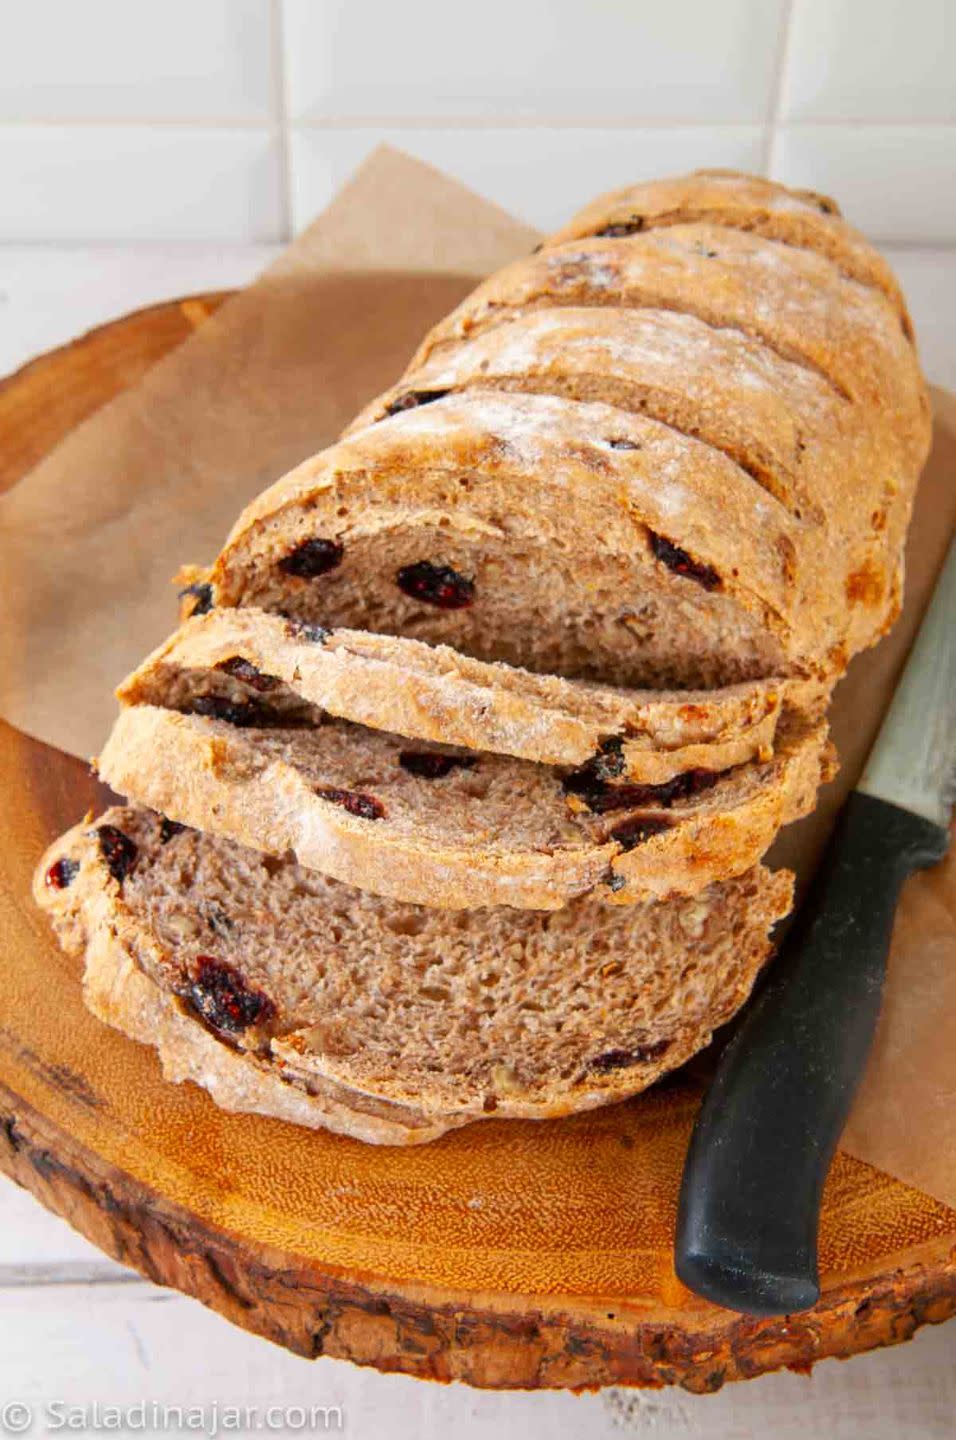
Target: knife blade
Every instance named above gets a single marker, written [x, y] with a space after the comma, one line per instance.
[913, 763]
[749, 1206]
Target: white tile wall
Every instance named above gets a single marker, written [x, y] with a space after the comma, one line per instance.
[178, 60]
[231, 120]
[875, 61]
[540, 173]
[139, 182]
[557, 61]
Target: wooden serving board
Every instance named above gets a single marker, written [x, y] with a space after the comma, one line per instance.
[506, 1254]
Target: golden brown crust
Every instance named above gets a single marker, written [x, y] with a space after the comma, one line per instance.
[715, 384]
[436, 694]
[529, 452]
[832, 464]
[794, 301]
[578, 496]
[502, 833]
[747, 202]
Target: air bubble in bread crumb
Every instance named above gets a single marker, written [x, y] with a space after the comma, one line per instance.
[693, 918]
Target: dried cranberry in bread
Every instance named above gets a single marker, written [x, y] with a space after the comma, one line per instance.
[284, 993]
[450, 828]
[434, 694]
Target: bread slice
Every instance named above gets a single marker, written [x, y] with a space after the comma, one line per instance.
[793, 301]
[448, 827]
[734, 200]
[564, 537]
[434, 694]
[716, 384]
[287, 994]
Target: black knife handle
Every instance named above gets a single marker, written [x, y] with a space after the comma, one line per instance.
[750, 1200]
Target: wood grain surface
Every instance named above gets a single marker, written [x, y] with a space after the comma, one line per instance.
[507, 1254]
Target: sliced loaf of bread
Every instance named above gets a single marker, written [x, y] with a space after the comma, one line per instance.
[673, 452]
[287, 994]
[250, 658]
[448, 827]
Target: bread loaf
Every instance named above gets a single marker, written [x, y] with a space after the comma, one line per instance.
[458, 775]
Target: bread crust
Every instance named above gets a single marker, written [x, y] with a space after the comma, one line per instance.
[436, 694]
[487, 468]
[795, 302]
[735, 200]
[557, 453]
[831, 464]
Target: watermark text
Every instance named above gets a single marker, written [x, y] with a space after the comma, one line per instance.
[146, 1417]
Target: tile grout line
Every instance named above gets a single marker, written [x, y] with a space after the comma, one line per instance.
[780, 82]
[281, 115]
[522, 122]
[240, 125]
[600, 122]
[250, 126]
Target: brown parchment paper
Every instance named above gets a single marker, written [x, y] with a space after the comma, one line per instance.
[90, 538]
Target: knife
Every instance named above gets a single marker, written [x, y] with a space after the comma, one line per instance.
[750, 1199]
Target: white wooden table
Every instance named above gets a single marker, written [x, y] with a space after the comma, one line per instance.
[79, 1331]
